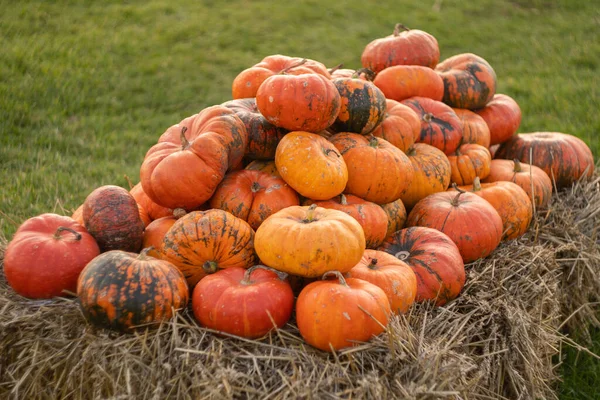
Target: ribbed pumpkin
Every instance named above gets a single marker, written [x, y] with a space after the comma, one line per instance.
[401, 82]
[156, 230]
[202, 242]
[474, 127]
[393, 276]
[311, 165]
[377, 170]
[440, 126]
[434, 258]
[335, 314]
[469, 81]
[306, 102]
[253, 196]
[404, 47]
[309, 241]
[565, 158]
[400, 126]
[120, 290]
[267, 166]
[111, 216]
[371, 217]
[469, 162]
[247, 82]
[469, 220]
[502, 115]
[396, 213]
[432, 173]
[532, 179]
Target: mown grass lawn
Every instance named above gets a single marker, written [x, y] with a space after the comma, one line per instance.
[87, 87]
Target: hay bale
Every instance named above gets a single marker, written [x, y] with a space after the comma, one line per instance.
[496, 340]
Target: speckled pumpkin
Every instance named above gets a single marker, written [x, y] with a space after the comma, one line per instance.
[396, 212]
[469, 162]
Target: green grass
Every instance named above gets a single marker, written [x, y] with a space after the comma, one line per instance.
[87, 87]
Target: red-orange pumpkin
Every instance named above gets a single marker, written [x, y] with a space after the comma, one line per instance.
[469, 162]
[400, 126]
[401, 82]
[502, 116]
[474, 127]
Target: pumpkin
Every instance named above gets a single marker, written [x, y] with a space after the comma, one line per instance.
[493, 149]
[263, 136]
[432, 173]
[335, 314]
[440, 126]
[361, 73]
[435, 260]
[396, 213]
[392, 275]
[247, 82]
[403, 81]
[311, 165]
[533, 180]
[183, 171]
[265, 166]
[469, 81]
[400, 126]
[78, 215]
[202, 242]
[362, 105]
[306, 102]
[148, 208]
[511, 202]
[46, 255]
[469, 162]
[404, 47]
[156, 230]
[111, 216]
[565, 158]
[502, 115]
[309, 241]
[469, 220]
[371, 217]
[474, 127]
[121, 290]
[243, 302]
[377, 170]
[253, 196]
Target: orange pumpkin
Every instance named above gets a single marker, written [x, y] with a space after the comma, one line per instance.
[403, 81]
[400, 126]
[502, 115]
[78, 215]
[474, 128]
[396, 213]
[392, 275]
[377, 171]
[335, 314]
[309, 241]
[148, 208]
[469, 162]
[311, 165]
[265, 166]
[156, 230]
[533, 180]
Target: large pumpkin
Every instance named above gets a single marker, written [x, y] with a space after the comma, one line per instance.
[46, 255]
[377, 170]
[565, 158]
[334, 314]
[395, 277]
[532, 179]
[502, 115]
[404, 47]
[396, 212]
[468, 162]
[469, 220]
[475, 129]
[311, 165]
[202, 242]
[111, 216]
[243, 302]
[400, 126]
[120, 290]
[469, 81]
[309, 241]
[434, 258]
[253, 196]
[403, 81]
[440, 126]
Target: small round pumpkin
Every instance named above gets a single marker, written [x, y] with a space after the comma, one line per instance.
[335, 314]
[401, 82]
[46, 255]
[243, 302]
[400, 126]
[396, 213]
[392, 275]
[156, 230]
[502, 115]
[469, 162]
[121, 290]
[469, 220]
[474, 127]
[309, 241]
[435, 260]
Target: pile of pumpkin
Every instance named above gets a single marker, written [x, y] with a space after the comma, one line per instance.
[300, 187]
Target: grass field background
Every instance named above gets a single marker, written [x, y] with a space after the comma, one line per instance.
[87, 87]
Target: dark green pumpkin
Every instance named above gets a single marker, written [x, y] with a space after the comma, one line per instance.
[120, 290]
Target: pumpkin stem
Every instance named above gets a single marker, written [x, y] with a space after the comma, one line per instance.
[58, 236]
[373, 141]
[460, 191]
[398, 27]
[338, 275]
[428, 117]
[369, 75]
[402, 255]
[210, 267]
[517, 167]
[128, 181]
[333, 69]
[179, 212]
[144, 253]
[299, 63]
[310, 214]
[343, 199]
[184, 142]
[255, 187]
[411, 151]
[476, 184]
[373, 263]
[246, 280]
[327, 151]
